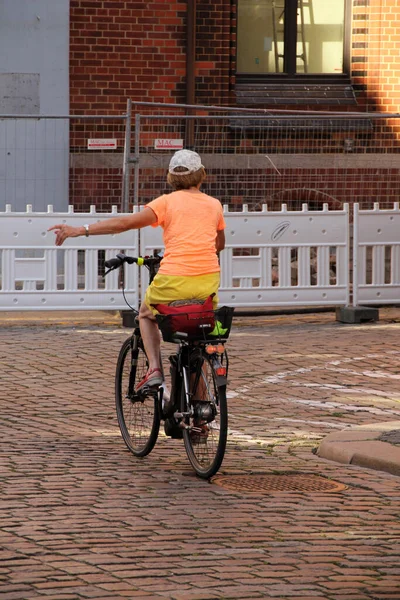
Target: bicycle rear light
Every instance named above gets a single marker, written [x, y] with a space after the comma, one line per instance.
[211, 349]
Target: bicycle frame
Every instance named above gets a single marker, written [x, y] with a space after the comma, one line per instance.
[195, 409]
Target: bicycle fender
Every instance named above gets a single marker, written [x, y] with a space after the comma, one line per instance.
[221, 380]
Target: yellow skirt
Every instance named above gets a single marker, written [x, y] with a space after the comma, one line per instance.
[165, 289]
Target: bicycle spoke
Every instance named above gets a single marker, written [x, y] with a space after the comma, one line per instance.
[137, 416]
[205, 438]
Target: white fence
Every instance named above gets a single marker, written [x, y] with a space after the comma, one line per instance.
[280, 258]
[35, 275]
[376, 256]
[271, 258]
[283, 258]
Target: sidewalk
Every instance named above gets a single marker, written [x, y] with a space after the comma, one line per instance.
[290, 517]
[374, 446]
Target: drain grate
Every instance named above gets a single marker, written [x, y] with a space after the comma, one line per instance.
[261, 483]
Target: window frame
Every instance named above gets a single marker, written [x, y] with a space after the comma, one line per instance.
[289, 75]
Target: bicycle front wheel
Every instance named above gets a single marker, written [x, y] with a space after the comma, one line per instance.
[206, 420]
[138, 416]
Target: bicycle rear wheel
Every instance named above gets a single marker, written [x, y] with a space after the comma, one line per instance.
[138, 416]
[206, 428]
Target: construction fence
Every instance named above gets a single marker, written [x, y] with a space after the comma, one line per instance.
[257, 162]
[252, 157]
[271, 157]
[62, 161]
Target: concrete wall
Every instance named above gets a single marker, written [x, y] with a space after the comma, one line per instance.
[34, 79]
[34, 50]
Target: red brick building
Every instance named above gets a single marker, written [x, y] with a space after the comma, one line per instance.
[313, 55]
[123, 49]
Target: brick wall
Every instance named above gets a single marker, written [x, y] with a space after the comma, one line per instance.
[213, 52]
[128, 49]
[125, 48]
[101, 187]
[375, 55]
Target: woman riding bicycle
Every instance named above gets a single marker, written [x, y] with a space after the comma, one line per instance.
[193, 225]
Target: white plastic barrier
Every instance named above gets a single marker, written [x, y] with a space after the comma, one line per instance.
[376, 256]
[36, 275]
[295, 258]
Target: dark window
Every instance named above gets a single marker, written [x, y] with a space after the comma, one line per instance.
[298, 39]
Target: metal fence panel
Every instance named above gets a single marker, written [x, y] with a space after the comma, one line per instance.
[273, 158]
[49, 160]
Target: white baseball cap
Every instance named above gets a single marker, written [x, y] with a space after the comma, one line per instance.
[188, 159]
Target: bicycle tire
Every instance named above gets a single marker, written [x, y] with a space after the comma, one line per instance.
[138, 418]
[205, 452]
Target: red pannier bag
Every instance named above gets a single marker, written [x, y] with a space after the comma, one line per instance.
[194, 319]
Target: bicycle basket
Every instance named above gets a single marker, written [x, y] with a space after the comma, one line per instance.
[193, 326]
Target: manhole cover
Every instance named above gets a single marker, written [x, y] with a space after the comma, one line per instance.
[261, 483]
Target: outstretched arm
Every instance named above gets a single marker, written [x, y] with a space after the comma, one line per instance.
[107, 226]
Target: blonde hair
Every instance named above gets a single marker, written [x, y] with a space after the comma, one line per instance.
[184, 182]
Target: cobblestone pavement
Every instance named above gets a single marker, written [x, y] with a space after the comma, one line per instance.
[82, 518]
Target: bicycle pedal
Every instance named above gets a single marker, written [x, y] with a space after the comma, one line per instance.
[153, 387]
[147, 391]
[181, 415]
[196, 430]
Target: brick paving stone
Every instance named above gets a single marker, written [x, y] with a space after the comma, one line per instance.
[57, 584]
[116, 587]
[98, 578]
[185, 595]
[59, 596]
[137, 594]
[238, 594]
[21, 595]
[345, 596]
[15, 588]
[80, 517]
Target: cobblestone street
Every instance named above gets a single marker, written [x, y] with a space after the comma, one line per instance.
[83, 518]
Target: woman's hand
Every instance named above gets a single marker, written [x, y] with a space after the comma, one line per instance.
[65, 231]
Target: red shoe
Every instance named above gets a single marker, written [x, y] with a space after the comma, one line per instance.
[153, 378]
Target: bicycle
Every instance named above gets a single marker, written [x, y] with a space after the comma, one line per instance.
[195, 408]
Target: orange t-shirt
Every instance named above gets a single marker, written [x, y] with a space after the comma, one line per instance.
[190, 220]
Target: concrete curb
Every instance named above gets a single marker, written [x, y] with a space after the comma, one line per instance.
[59, 318]
[362, 446]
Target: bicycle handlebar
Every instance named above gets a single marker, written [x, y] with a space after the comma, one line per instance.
[120, 259]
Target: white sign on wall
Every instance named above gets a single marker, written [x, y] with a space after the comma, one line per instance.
[102, 144]
[165, 144]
